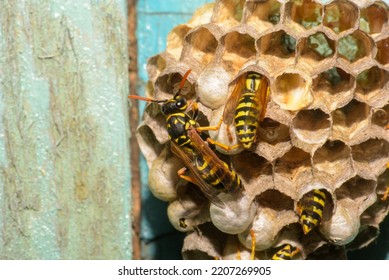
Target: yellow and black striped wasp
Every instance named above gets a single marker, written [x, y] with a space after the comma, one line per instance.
[310, 209]
[209, 172]
[287, 252]
[246, 108]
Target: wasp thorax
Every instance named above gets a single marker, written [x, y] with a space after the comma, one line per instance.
[292, 116]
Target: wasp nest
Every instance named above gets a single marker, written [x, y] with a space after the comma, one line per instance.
[324, 137]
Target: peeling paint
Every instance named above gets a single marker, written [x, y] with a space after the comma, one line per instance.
[64, 153]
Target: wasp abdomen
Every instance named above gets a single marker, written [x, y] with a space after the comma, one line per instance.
[209, 173]
[246, 118]
[217, 177]
[311, 209]
[286, 253]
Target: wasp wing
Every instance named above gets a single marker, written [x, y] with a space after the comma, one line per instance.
[263, 94]
[226, 176]
[261, 98]
[232, 102]
[189, 157]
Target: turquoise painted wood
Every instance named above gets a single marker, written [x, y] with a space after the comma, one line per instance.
[64, 155]
[155, 20]
[160, 240]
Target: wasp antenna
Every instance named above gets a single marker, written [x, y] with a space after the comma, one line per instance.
[182, 83]
[147, 99]
[142, 98]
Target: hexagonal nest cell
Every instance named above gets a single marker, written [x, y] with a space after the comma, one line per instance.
[307, 84]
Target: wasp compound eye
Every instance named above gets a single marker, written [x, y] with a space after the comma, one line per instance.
[180, 103]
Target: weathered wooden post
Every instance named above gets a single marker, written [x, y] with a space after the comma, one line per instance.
[64, 152]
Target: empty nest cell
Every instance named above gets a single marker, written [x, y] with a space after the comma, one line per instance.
[372, 86]
[167, 84]
[203, 45]
[355, 46]
[382, 55]
[238, 49]
[148, 142]
[292, 91]
[250, 166]
[334, 159]
[306, 13]
[317, 47]
[275, 200]
[340, 16]
[350, 120]
[228, 12]
[155, 65]
[373, 18]
[175, 40]
[311, 126]
[292, 171]
[360, 190]
[333, 88]
[263, 15]
[277, 50]
[278, 44]
[370, 158]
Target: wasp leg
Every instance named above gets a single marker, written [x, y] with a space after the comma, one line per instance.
[224, 146]
[206, 128]
[185, 177]
[229, 135]
[194, 107]
[253, 241]
[299, 209]
[238, 256]
[216, 127]
[295, 252]
[386, 194]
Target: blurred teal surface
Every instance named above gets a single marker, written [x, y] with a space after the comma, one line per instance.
[155, 20]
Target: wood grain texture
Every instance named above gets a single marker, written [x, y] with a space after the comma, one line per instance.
[64, 153]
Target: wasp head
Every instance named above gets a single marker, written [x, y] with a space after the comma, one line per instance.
[175, 105]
